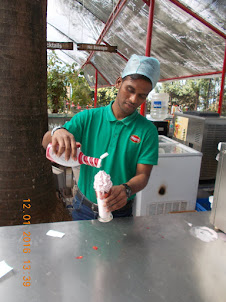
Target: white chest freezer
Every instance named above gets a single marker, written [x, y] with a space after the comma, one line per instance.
[173, 184]
[164, 140]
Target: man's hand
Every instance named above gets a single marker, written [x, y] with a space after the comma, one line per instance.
[117, 199]
[62, 140]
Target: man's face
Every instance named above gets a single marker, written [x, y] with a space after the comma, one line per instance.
[131, 94]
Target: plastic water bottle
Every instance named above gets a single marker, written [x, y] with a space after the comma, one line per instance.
[81, 158]
[159, 106]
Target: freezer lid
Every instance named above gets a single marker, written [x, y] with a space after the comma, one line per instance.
[177, 150]
[166, 140]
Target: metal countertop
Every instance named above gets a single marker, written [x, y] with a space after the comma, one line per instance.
[138, 259]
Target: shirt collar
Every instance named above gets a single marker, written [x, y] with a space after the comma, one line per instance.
[111, 118]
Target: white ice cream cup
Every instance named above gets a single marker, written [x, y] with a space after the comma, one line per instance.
[104, 216]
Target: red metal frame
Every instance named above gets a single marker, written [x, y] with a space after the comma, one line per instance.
[122, 56]
[147, 2]
[217, 31]
[203, 21]
[210, 26]
[118, 52]
[192, 76]
[151, 3]
[104, 31]
[150, 28]
[95, 93]
[96, 82]
[193, 14]
[99, 72]
[108, 24]
[222, 83]
[148, 43]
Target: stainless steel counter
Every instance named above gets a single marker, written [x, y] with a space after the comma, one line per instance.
[138, 259]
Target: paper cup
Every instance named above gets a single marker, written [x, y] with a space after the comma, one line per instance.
[103, 215]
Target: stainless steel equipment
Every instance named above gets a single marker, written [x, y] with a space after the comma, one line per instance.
[218, 213]
[138, 259]
[203, 133]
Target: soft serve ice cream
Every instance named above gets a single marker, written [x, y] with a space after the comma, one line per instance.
[102, 182]
[102, 186]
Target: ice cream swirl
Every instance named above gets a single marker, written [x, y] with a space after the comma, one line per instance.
[102, 182]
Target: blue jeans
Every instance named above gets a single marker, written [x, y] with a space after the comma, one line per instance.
[82, 212]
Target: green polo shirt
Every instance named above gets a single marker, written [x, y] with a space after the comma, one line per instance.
[130, 141]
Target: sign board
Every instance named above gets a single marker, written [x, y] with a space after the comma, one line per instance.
[60, 45]
[96, 47]
[181, 128]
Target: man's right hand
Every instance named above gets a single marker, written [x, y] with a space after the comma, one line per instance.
[64, 141]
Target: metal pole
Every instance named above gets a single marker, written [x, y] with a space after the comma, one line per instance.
[150, 28]
[95, 94]
[148, 43]
[222, 83]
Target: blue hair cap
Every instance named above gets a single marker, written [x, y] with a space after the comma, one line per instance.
[147, 66]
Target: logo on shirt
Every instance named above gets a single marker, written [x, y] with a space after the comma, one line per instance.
[135, 139]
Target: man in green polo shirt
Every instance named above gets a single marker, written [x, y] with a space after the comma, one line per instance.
[129, 138]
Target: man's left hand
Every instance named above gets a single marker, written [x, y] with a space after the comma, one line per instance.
[117, 198]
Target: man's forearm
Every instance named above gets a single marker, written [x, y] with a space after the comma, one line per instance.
[138, 183]
[118, 196]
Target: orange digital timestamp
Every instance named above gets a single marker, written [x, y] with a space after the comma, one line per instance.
[26, 265]
[26, 206]
[26, 244]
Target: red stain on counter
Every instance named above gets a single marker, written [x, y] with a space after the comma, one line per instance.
[79, 257]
